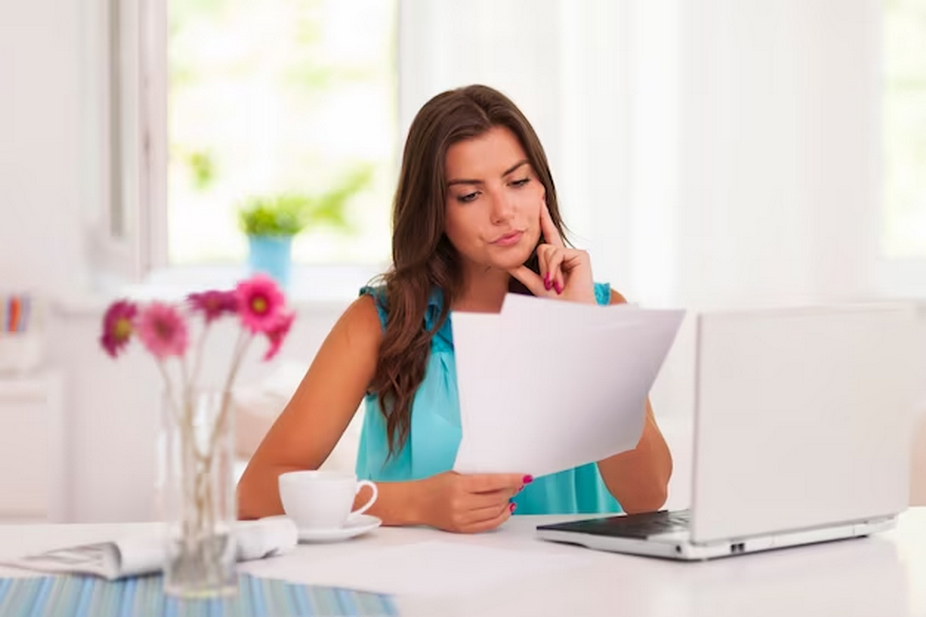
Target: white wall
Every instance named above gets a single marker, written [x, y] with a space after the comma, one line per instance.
[779, 187]
[754, 151]
[41, 240]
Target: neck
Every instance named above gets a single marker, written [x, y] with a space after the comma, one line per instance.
[484, 290]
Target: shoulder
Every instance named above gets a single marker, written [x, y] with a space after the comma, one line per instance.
[360, 323]
[377, 297]
[363, 311]
[617, 298]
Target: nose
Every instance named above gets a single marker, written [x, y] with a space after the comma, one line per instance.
[502, 207]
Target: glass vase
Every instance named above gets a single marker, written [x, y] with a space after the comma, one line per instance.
[198, 494]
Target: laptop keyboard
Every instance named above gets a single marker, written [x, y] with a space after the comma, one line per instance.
[630, 526]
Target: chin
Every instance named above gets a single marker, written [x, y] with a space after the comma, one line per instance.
[510, 259]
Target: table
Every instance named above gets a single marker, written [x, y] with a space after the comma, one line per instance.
[880, 576]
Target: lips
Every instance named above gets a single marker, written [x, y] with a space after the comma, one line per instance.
[509, 239]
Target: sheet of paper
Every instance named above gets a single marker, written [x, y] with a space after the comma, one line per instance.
[546, 386]
[433, 568]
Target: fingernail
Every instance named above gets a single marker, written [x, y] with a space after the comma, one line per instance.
[527, 479]
[558, 287]
[512, 507]
[547, 284]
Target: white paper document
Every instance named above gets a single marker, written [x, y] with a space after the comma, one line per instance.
[133, 556]
[547, 385]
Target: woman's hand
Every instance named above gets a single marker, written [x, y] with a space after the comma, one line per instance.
[565, 273]
[469, 503]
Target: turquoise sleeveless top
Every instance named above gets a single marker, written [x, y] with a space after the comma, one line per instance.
[435, 432]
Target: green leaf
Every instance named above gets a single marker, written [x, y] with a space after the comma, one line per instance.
[287, 214]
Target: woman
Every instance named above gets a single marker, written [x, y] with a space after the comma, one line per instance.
[475, 217]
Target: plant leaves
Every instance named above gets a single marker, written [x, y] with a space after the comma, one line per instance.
[287, 214]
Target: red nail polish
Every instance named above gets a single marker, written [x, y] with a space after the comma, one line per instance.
[547, 285]
[527, 479]
[558, 287]
[511, 508]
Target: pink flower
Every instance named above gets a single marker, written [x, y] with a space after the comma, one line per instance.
[118, 326]
[162, 330]
[213, 303]
[260, 303]
[277, 333]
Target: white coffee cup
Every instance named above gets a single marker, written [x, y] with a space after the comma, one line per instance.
[322, 499]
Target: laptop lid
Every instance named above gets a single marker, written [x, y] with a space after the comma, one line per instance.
[803, 417]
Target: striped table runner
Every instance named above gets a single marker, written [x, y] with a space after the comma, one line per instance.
[83, 596]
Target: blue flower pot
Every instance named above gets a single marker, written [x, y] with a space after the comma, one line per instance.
[271, 255]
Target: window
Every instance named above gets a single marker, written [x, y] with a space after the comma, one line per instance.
[904, 224]
[279, 96]
[225, 99]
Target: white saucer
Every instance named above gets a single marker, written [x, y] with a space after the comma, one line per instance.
[354, 526]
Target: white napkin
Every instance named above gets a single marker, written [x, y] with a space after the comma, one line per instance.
[267, 537]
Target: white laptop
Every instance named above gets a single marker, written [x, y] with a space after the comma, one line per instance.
[803, 428]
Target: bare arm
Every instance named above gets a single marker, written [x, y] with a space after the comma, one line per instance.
[639, 478]
[319, 411]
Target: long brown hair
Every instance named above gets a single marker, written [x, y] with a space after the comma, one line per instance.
[423, 258]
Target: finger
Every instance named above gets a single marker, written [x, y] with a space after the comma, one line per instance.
[494, 499]
[544, 251]
[572, 259]
[557, 279]
[490, 482]
[550, 232]
[491, 523]
[530, 279]
[482, 515]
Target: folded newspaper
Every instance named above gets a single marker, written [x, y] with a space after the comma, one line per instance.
[267, 537]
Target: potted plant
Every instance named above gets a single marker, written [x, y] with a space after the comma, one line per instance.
[270, 221]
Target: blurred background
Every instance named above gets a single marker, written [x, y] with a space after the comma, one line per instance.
[708, 153]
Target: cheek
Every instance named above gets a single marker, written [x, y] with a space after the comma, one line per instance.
[459, 228]
[529, 199]
[531, 214]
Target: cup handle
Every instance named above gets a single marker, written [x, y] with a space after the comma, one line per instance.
[371, 501]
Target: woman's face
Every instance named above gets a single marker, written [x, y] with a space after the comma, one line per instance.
[493, 200]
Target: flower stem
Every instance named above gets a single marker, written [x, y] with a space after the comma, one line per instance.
[199, 354]
[241, 347]
[168, 385]
[186, 384]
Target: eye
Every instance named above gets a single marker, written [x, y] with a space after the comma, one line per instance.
[465, 199]
[521, 182]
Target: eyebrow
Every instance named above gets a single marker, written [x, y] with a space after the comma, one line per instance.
[507, 171]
